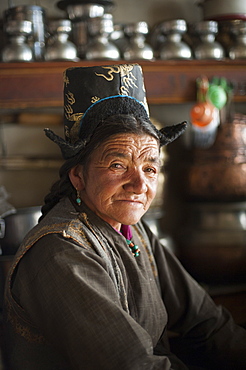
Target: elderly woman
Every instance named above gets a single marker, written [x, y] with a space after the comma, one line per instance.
[91, 287]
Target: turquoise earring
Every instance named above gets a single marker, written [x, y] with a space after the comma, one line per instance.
[78, 199]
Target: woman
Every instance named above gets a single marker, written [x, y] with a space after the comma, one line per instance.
[91, 287]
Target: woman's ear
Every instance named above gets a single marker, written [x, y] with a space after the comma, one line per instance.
[76, 177]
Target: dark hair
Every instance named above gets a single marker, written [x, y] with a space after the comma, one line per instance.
[113, 125]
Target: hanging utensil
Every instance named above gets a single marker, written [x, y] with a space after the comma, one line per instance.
[217, 92]
[204, 116]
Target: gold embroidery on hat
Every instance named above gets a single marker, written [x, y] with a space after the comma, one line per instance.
[112, 69]
[125, 71]
[70, 98]
[71, 133]
[65, 79]
[68, 107]
[94, 99]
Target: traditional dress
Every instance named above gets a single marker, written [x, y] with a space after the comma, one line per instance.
[77, 298]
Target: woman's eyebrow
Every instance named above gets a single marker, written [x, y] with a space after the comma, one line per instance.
[155, 160]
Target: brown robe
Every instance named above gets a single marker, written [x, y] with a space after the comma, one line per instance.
[77, 298]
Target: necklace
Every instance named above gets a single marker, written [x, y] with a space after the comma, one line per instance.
[133, 248]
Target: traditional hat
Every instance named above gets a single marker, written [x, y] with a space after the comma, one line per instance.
[92, 94]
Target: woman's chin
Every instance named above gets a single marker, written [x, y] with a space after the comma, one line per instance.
[131, 219]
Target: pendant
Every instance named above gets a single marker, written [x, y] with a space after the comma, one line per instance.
[133, 248]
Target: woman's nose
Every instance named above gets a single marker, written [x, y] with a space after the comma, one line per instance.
[136, 183]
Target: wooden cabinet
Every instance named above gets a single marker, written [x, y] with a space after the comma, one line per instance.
[36, 85]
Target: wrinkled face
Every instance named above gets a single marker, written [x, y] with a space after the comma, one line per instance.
[121, 179]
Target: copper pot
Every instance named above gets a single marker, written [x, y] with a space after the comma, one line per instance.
[218, 173]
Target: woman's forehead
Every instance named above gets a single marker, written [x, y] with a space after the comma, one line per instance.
[130, 139]
[124, 145]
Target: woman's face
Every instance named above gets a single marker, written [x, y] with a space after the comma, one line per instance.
[121, 179]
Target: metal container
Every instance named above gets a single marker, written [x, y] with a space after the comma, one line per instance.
[238, 50]
[80, 16]
[208, 47]
[137, 48]
[36, 15]
[174, 47]
[225, 36]
[100, 46]
[118, 38]
[58, 46]
[84, 11]
[17, 226]
[17, 49]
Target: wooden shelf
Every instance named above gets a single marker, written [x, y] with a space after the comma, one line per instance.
[35, 85]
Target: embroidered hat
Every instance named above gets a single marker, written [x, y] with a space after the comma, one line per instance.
[91, 94]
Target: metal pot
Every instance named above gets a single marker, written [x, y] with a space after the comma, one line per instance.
[174, 47]
[36, 15]
[59, 47]
[17, 49]
[17, 226]
[80, 16]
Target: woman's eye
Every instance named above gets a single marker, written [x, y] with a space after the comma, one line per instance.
[151, 170]
[116, 165]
